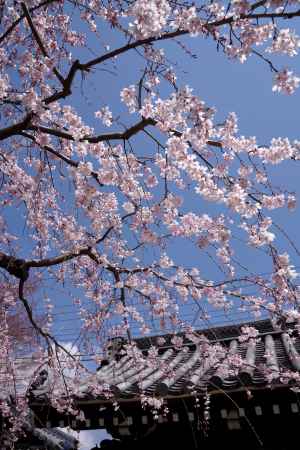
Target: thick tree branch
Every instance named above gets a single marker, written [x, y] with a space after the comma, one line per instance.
[210, 26]
[15, 129]
[85, 67]
[14, 266]
[67, 83]
[20, 268]
[125, 135]
[34, 30]
[49, 262]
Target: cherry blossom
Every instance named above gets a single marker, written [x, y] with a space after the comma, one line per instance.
[285, 81]
[286, 41]
[150, 17]
[105, 115]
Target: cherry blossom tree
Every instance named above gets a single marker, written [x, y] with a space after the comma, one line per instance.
[94, 207]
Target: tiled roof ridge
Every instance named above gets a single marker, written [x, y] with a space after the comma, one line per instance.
[214, 334]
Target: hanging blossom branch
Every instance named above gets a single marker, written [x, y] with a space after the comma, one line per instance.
[20, 268]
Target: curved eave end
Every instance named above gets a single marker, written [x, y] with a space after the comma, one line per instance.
[245, 378]
[216, 381]
[162, 389]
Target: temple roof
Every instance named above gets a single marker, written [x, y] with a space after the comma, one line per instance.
[265, 359]
[178, 372]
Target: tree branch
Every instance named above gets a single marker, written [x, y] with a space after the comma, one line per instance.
[58, 155]
[12, 130]
[20, 267]
[47, 336]
[14, 266]
[39, 41]
[258, 4]
[67, 83]
[85, 67]
[16, 23]
[48, 262]
[30, 314]
[125, 135]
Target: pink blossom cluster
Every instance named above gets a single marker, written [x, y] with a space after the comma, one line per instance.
[286, 81]
[286, 42]
[150, 17]
[105, 115]
[248, 333]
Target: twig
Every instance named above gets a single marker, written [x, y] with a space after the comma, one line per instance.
[39, 41]
[16, 23]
